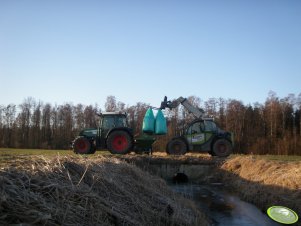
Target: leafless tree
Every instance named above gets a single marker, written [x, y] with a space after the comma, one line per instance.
[110, 104]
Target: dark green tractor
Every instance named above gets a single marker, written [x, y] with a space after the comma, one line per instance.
[113, 134]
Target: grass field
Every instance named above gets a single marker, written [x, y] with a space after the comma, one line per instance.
[13, 151]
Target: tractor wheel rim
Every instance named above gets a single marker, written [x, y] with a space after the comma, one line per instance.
[81, 146]
[120, 143]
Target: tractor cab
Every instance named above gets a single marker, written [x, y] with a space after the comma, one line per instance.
[199, 132]
[109, 120]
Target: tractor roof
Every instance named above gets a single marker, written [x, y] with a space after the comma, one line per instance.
[113, 113]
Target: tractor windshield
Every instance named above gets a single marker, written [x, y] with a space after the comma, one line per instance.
[108, 122]
[194, 128]
[121, 122]
[112, 121]
[210, 126]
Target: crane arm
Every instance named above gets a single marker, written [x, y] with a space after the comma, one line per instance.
[198, 113]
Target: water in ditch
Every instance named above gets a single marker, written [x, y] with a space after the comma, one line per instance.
[222, 207]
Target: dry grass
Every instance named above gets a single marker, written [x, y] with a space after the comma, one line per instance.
[159, 158]
[79, 191]
[286, 175]
[263, 182]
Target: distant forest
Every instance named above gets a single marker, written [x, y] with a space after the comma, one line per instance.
[273, 127]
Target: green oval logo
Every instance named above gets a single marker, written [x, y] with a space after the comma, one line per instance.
[282, 214]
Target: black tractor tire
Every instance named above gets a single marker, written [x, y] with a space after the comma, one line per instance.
[119, 142]
[82, 146]
[176, 147]
[93, 149]
[222, 148]
[212, 153]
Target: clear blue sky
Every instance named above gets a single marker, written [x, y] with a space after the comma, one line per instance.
[62, 51]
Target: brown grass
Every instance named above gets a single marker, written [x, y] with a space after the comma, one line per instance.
[263, 182]
[80, 191]
[283, 174]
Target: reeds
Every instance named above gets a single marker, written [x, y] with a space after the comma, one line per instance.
[263, 182]
[80, 191]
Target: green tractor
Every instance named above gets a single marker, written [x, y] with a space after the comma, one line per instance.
[113, 134]
[201, 135]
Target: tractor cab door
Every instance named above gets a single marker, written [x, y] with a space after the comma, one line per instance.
[195, 134]
[209, 129]
[199, 133]
[106, 124]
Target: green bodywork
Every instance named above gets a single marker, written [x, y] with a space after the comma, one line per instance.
[200, 135]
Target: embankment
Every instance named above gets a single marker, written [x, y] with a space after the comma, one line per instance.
[263, 182]
[89, 191]
[112, 191]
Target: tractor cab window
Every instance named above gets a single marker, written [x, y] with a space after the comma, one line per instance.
[210, 126]
[194, 129]
[108, 122]
[121, 122]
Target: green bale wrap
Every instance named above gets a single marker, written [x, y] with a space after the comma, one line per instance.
[160, 124]
[148, 122]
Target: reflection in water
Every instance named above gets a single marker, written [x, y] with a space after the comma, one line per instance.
[224, 209]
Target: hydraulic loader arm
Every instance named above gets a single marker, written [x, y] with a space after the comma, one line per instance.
[198, 113]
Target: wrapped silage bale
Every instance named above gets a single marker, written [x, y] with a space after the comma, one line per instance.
[148, 125]
[160, 124]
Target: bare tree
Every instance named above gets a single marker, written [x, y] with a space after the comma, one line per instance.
[120, 106]
[35, 128]
[236, 119]
[46, 127]
[25, 121]
[79, 117]
[9, 119]
[110, 104]
[90, 116]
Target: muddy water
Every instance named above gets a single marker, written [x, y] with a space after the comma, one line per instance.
[222, 207]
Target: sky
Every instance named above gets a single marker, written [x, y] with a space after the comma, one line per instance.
[62, 51]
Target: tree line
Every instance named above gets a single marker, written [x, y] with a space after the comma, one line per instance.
[273, 127]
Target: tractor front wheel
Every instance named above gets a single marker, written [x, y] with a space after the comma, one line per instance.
[82, 146]
[222, 148]
[176, 147]
[119, 142]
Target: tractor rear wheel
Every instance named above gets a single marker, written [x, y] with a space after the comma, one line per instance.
[119, 142]
[82, 146]
[222, 148]
[176, 147]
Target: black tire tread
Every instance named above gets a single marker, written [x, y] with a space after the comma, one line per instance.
[171, 145]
